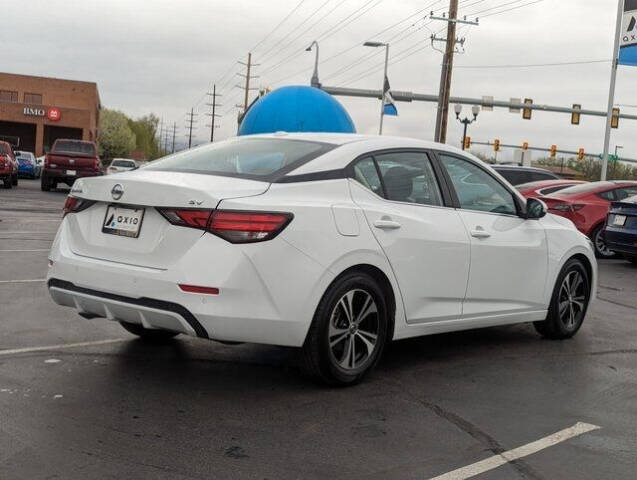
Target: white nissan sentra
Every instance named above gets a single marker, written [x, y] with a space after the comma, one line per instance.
[332, 243]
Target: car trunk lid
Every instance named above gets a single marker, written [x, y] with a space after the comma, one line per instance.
[158, 243]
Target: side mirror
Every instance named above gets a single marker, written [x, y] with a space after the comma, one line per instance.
[535, 209]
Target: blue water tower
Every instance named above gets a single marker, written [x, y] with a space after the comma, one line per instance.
[296, 109]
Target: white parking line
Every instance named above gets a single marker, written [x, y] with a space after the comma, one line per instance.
[15, 351]
[34, 280]
[523, 451]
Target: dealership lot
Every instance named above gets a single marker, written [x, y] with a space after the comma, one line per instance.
[98, 403]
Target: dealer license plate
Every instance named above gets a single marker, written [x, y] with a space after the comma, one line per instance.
[123, 221]
[619, 220]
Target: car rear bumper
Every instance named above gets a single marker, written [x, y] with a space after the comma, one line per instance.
[259, 301]
[61, 173]
[621, 241]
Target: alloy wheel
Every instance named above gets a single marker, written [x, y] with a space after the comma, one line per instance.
[600, 244]
[572, 299]
[353, 330]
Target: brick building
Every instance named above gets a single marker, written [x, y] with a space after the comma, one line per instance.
[35, 111]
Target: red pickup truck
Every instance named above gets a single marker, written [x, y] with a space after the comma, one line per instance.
[8, 165]
[68, 160]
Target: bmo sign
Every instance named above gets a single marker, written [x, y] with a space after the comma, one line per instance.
[52, 113]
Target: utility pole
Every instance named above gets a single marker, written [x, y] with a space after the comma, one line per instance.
[174, 132]
[248, 76]
[161, 133]
[447, 68]
[191, 121]
[611, 93]
[212, 114]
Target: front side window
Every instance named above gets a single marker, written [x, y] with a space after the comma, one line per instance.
[476, 189]
[409, 177]
[257, 158]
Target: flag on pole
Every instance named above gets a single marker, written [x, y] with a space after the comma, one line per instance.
[628, 40]
[388, 101]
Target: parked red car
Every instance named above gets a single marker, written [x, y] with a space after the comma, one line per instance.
[545, 187]
[8, 165]
[587, 205]
[68, 160]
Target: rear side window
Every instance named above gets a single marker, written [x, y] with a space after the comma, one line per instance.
[515, 177]
[404, 177]
[70, 146]
[123, 163]
[477, 189]
[538, 176]
[257, 158]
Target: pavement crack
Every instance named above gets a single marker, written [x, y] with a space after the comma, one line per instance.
[521, 467]
[614, 302]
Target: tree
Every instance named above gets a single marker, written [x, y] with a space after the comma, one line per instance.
[116, 137]
[145, 129]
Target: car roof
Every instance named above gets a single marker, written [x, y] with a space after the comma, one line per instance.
[520, 167]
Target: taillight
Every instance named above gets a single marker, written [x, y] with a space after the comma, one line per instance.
[194, 218]
[231, 225]
[74, 205]
[577, 206]
[47, 161]
[561, 207]
[96, 164]
[247, 227]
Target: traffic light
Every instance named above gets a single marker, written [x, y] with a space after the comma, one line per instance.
[525, 145]
[527, 112]
[575, 116]
[496, 145]
[614, 121]
[467, 143]
[553, 151]
[580, 154]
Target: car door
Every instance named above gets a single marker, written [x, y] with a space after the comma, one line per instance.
[424, 240]
[509, 254]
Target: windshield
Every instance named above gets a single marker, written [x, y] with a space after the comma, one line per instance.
[258, 158]
[123, 163]
[73, 146]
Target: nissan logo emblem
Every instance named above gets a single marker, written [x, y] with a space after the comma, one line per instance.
[117, 192]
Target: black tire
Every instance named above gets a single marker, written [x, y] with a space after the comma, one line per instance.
[319, 358]
[14, 180]
[147, 333]
[631, 258]
[7, 183]
[599, 242]
[569, 302]
[45, 184]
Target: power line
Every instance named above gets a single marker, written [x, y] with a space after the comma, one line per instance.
[512, 8]
[532, 65]
[298, 5]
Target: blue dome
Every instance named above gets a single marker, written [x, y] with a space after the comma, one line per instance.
[296, 109]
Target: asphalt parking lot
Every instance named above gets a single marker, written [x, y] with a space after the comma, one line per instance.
[84, 399]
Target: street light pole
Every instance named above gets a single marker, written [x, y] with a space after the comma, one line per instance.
[382, 90]
[475, 110]
[315, 78]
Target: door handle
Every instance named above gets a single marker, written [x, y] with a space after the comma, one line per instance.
[386, 224]
[479, 232]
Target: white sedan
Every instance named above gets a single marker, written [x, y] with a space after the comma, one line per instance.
[118, 165]
[335, 244]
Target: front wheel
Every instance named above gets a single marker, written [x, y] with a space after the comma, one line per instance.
[348, 332]
[601, 248]
[45, 184]
[631, 258]
[569, 302]
[7, 182]
[14, 180]
[148, 333]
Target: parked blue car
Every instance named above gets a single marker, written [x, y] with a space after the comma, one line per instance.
[621, 228]
[27, 166]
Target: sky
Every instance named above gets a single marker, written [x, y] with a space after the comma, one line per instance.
[162, 57]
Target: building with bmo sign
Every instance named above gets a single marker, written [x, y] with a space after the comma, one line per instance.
[35, 111]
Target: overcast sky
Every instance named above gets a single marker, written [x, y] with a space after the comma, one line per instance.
[161, 56]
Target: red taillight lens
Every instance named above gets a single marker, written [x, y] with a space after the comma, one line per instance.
[74, 205]
[96, 165]
[197, 289]
[233, 226]
[247, 227]
[194, 218]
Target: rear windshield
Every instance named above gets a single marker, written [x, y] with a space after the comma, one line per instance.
[70, 146]
[256, 158]
[584, 187]
[123, 163]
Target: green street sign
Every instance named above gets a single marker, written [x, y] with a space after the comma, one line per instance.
[613, 158]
